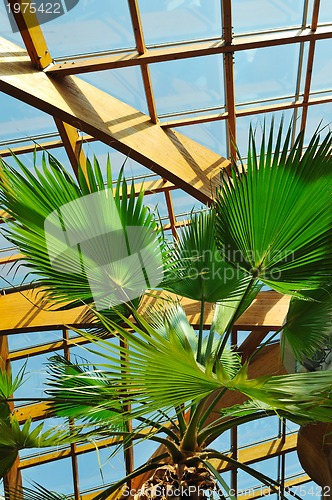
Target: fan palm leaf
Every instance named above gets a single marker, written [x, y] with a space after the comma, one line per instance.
[274, 218]
[197, 268]
[75, 234]
[308, 324]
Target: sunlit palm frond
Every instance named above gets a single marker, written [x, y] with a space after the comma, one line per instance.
[80, 390]
[75, 235]
[274, 219]
[197, 268]
[13, 438]
[309, 324]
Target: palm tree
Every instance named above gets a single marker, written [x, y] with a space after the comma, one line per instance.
[166, 383]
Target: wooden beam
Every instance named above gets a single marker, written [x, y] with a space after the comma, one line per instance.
[310, 64]
[184, 51]
[173, 156]
[73, 144]
[141, 48]
[31, 33]
[13, 480]
[229, 78]
[254, 110]
[30, 310]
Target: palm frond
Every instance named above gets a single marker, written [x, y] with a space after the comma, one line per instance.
[75, 235]
[14, 438]
[80, 390]
[197, 269]
[301, 395]
[274, 219]
[38, 493]
[309, 324]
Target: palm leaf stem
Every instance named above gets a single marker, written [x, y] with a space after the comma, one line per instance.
[200, 333]
[219, 478]
[264, 344]
[181, 420]
[224, 339]
[190, 437]
[212, 405]
[275, 486]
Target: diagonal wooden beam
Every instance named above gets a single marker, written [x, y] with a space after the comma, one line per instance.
[184, 162]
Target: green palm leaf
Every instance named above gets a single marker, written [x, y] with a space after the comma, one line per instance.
[197, 269]
[38, 493]
[156, 373]
[309, 324]
[78, 252]
[14, 438]
[81, 391]
[274, 219]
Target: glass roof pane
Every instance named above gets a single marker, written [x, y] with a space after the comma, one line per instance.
[243, 124]
[123, 83]
[49, 475]
[265, 73]
[261, 15]
[90, 27]
[211, 135]
[96, 468]
[178, 20]
[189, 84]
[318, 116]
[18, 119]
[321, 74]
[325, 11]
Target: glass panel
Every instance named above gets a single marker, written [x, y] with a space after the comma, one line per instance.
[177, 20]
[257, 122]
[30, 339]
[258, 430]
[260, 15]
[325, 11]
[35, 378]
[310, 490]
[247, 484]
[321, 74]
[123, 83]
[293, 466]
[211, 135]
[131, 168]
[318, 116]
[261, 74]
[21, 120]
[90, 27]
[6, 29]
[189, 84]
[48, 475]
[97, 468]
[183, 202]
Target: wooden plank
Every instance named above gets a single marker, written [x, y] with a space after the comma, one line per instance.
[173, 156]
[141, 48]
[184, 51]
[73, 144]
[32, 34]
[229, 79]
[30, 310]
